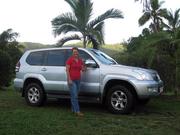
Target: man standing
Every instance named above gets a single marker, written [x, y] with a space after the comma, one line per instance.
[74, 66]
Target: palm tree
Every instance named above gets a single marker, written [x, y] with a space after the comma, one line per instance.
[173, 19]
[155, 13]
[80, 23]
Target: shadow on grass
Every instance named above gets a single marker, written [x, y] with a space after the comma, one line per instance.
[139, 110]
[87, 107]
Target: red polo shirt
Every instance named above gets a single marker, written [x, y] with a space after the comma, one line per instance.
[75, 68]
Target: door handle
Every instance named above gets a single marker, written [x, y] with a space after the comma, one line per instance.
[43, 69]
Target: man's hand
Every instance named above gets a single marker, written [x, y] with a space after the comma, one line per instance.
[69, 81]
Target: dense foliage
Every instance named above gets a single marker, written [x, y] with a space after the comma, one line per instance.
[158, 46]
[9, 55]
[5, 68]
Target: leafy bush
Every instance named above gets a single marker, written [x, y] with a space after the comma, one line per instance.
[15, 54]
[5, 69]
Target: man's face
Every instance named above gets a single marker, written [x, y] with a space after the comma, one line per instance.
[75, 53]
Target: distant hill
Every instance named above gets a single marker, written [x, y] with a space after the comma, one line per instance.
[30, 45]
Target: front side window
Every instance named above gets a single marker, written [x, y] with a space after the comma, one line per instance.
[84, 56]
[35, 58]
[102, 57]
[56, 58]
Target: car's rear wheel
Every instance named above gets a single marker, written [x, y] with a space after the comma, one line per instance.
[120, 100]
[34, 94]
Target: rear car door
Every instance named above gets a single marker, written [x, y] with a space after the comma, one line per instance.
[53, 71]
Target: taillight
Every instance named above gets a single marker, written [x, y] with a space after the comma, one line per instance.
[18, 66]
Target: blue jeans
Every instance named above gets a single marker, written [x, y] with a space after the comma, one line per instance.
[74, 89]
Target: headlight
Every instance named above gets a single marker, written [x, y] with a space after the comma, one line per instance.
[142, 75]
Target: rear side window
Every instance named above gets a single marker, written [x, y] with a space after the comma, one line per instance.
[35, 58]
[56, 58]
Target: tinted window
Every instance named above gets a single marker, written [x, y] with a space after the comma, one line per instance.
[56, 58]
[102, 57]
[35, 58]
[82, 54]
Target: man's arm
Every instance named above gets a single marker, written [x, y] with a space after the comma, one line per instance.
[68, 74]
[83, 68]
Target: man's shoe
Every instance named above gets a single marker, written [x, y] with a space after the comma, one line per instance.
[79, 114]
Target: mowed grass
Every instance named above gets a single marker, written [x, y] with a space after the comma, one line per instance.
[161, 116]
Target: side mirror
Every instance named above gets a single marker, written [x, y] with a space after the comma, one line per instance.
[90, 63]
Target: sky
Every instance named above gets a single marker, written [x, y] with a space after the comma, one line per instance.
[32, 18]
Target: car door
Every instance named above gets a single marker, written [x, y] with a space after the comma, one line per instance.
[54, 71]
[90, 79]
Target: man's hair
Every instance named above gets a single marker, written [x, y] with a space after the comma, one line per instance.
[75, 48]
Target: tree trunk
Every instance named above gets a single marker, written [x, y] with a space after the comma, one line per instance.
[84, 41]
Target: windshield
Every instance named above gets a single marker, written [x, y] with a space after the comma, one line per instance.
[102, 57]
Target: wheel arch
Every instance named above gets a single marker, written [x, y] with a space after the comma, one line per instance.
[31, 80]
[115, 82]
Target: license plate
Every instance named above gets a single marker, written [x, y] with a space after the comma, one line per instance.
[161, 89]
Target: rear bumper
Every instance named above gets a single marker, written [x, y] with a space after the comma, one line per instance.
[18, 84]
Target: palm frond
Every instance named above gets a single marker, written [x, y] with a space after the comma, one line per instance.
[111, 13]
[72, 4]
[68, 38]
[84, 11]
[144, 18]
[64, 29]
[162, 12]
[155, 4]
[177, 18]
[65, 18]
[64, 23]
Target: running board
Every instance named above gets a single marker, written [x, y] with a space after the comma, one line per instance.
[81, 98]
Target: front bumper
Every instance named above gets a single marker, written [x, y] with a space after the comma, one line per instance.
[147, 89]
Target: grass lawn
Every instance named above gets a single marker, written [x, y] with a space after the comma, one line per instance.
[161, 116]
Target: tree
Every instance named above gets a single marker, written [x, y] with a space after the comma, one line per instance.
[6, 37]
[79, 23]
[9, 55]
[5, 69]
[173, 19]
[155, 13]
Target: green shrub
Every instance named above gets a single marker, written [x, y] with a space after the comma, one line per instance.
[5, 69]
[15, 54]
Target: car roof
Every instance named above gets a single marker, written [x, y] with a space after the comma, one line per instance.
[56, 48]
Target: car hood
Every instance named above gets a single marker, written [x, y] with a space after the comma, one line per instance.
[127, 71]
[118, 66]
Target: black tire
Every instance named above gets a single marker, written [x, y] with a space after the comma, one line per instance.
[120, 100]
[34, 94]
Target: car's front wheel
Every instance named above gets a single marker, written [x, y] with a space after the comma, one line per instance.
[120, 100]
[34, 94]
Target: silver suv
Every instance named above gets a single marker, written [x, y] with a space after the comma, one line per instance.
[41, 74]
